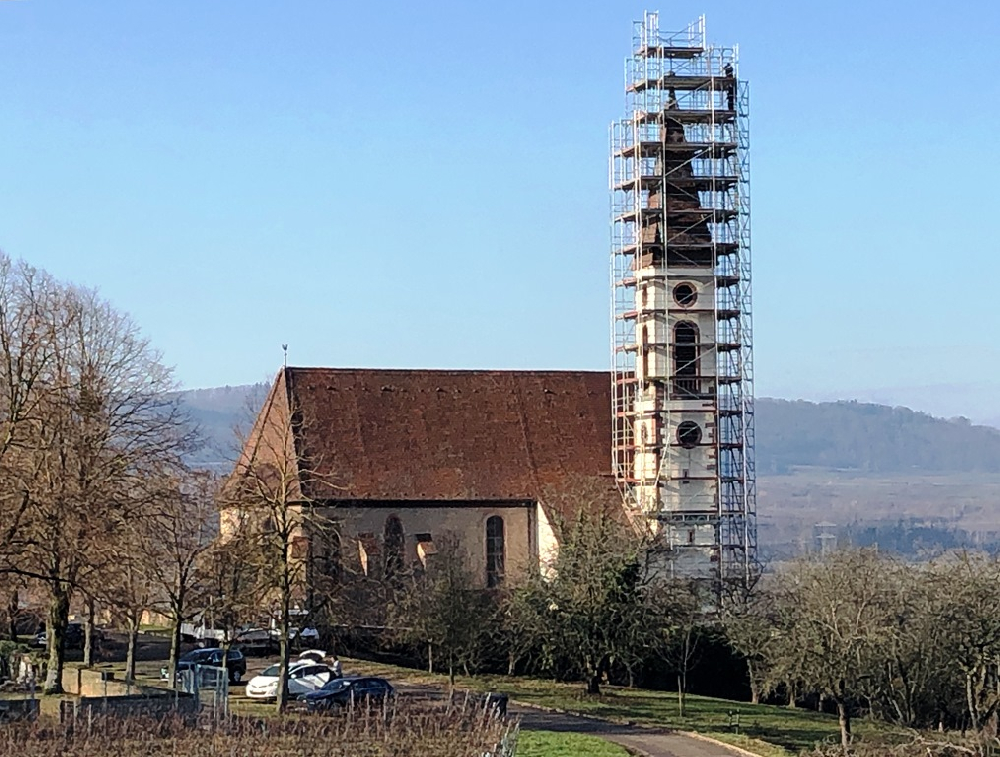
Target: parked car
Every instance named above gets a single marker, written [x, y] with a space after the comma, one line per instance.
[236, 664]
[303, 676]
[72, 639]
[345, 692]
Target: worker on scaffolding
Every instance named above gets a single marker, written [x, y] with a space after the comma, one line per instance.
[727, 71]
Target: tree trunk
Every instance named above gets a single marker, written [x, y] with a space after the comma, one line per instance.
[13, 608]
[845, 725]
[594, 682]
[133, 637]
[430, 659]
[285, 651]
[451, 670]
[791, 697]
[680, 696]
[175, 647]
[58, 618]
[970, 701]
[754, 684]
[88, 634]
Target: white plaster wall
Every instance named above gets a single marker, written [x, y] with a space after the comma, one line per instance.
[548, 545]
[468, 523]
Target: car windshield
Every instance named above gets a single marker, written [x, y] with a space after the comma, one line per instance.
[271, 672]
[337, 684]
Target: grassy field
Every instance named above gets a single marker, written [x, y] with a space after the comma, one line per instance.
[549, 744]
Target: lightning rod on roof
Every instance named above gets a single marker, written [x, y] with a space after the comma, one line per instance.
[284, 349]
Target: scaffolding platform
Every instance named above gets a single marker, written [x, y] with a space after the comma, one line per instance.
[684, 83]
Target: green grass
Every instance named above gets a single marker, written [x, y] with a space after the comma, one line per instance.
[770, 730]
[550, 744]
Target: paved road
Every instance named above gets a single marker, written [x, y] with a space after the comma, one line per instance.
[648, 741]
[652, 742]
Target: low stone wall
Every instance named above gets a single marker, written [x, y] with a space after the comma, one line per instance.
[95, 683]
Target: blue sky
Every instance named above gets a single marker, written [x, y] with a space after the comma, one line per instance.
[427, 186]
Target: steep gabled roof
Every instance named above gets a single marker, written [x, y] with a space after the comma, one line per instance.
[431, 435]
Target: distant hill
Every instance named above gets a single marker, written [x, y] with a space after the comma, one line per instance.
[852, 436]
[870, 439]
[221, 414]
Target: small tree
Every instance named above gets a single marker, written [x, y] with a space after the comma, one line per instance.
[837, 613]
[593, 606]
[228, 591]
[273, 489]
[185, 523]
[682, 627]
[749, 622]
[968, 590]
[445, 608]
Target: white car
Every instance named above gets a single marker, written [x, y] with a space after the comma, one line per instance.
[303, 676]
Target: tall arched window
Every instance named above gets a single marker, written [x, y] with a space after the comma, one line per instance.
[494, 551]
[329, 556]
[686, 359]
[394, 542]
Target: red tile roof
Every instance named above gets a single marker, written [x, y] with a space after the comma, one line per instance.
[450, 435]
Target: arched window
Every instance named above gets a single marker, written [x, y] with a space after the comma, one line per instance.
[394, 542]
[329, 555]
[494, 551]
[686, 359]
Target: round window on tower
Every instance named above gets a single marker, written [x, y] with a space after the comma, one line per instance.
[685, 295]
[688, 434]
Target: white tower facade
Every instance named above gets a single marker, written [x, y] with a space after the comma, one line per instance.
[681, 308]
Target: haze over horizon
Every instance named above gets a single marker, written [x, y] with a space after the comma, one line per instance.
[427, 187]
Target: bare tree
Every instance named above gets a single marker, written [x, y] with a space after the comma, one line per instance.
[101, 423]
[125, 585]
[682, 626]
[230, 584]
[183, 527]
[838, 612]
[749, 621]
[273, 489]
[968, 588]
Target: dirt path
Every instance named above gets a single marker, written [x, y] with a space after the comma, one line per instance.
[647, 741]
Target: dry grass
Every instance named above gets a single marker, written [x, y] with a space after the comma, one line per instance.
[393, 732]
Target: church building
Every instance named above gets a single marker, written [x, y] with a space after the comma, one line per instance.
[401, 458]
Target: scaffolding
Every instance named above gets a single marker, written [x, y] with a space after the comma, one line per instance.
[681, 306]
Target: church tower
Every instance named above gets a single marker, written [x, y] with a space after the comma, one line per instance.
[682, 339]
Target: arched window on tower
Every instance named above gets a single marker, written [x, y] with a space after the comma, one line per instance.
[494, 551]
[686, 359]
[394, 541]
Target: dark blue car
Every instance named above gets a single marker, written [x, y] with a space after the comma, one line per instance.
[345, 692]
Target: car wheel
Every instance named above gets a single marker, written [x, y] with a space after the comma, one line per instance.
[235, 677]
